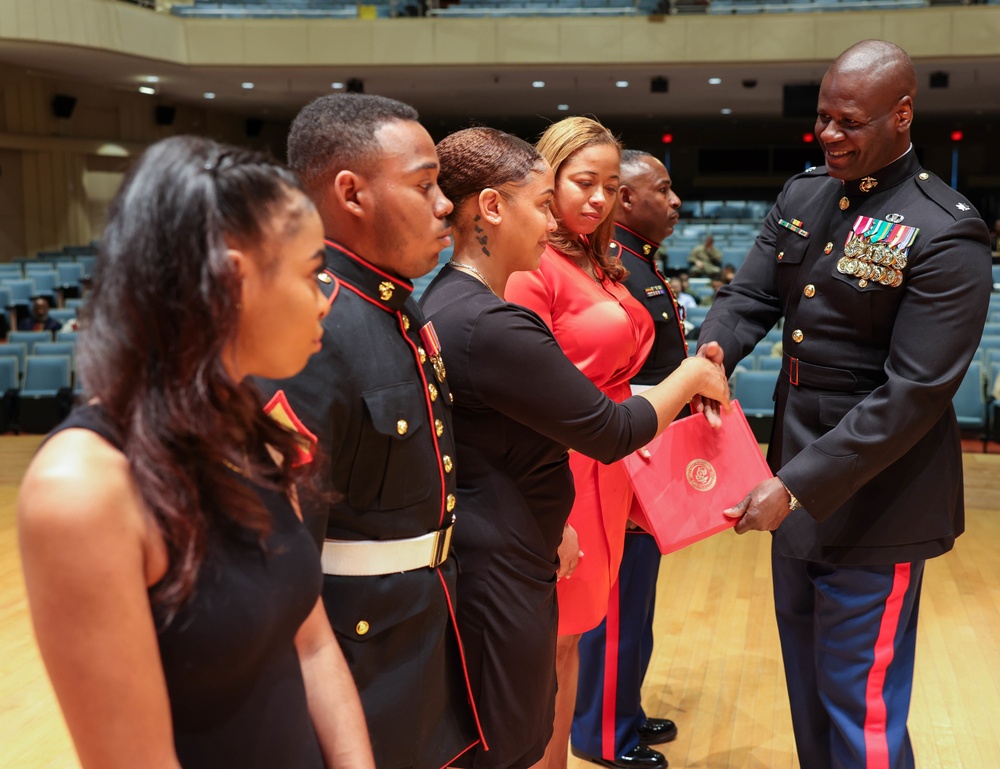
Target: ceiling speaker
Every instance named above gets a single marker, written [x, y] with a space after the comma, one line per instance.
[253, 127]
[63, 105]
[164, 115]
[800, 100]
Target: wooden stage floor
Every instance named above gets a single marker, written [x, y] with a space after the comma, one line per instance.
[716, 668]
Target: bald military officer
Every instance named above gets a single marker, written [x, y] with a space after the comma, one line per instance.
[882, 274]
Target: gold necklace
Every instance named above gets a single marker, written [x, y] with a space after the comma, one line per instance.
[475, 272]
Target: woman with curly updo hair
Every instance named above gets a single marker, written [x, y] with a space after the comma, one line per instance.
[519, 404]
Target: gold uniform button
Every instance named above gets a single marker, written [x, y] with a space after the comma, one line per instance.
[828, 248]
[666, 316]
[447, 463]
[451, 398]
[809, 291]
[433, 392]
[450, 502]
[439, 427]
[362, 627]
[406, 322]
[844, 203]
[423, 354]
[797, 336]
[923, 176]
[781, 255]
[402, 427]
[324, 277]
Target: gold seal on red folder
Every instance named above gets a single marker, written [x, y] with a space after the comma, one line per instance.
[701, 475]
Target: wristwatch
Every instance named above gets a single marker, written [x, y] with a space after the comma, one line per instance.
[793, 501]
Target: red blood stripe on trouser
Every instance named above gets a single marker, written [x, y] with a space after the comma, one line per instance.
[876, 742]
[609, 705]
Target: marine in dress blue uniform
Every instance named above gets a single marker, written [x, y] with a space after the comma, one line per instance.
[609, 722]
[882, 274]
[376, 401]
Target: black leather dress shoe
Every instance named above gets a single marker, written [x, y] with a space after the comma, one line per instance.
[640, 757]
[657, 731]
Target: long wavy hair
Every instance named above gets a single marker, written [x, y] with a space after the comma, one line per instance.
[165, 304]
[558, 144]
[476, 158]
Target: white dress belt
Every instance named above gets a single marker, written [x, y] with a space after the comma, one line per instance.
[368, 558]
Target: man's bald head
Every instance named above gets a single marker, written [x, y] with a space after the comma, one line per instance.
[647, 203]
[866, 108]
[882, 63]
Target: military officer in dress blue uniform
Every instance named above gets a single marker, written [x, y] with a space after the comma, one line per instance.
[614, 730]
[376, 400]
[882, 274]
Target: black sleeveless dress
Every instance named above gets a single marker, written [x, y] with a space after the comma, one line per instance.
[236, 691]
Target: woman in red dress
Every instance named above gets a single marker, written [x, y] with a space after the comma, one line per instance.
[577, 291]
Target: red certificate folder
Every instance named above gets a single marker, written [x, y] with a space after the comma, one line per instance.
[694, 473]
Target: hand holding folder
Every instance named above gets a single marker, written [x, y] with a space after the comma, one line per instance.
[693, 473]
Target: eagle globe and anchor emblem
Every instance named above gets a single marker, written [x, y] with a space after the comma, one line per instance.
[701, 475]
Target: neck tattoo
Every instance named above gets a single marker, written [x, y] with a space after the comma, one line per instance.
[477, 273]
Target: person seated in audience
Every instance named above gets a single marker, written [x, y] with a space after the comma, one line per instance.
[728, 273]
[709, 297]
[684, 300]
[173, 588]
[705, 260]
[39, 319]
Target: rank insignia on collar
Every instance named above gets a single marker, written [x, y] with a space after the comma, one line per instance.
[652, 291]
[963, 207]
[795, 226]
[868, 184]
[876, 251]
[385, 289]
[894, 218]
[646, 248]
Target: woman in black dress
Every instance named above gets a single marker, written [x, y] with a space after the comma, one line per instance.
[173, 588]
[519, 404]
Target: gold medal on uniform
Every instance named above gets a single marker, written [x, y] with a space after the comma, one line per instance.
[433, 346]
[876, 251]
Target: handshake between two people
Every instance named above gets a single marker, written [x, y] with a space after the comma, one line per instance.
[768, 503]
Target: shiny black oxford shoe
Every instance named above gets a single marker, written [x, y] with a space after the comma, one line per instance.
[656, 731]
[640, 757]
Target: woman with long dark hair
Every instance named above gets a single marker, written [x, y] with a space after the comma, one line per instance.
[173, 589]
[519, 403]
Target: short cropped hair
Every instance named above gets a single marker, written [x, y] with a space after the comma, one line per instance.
[631, 161]
[337, 132]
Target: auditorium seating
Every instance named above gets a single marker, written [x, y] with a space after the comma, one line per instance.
[46, 397]
[29, 338]
[17, 351]
[287, 9]
[755, 392]
[791, 6]
[9, 386]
